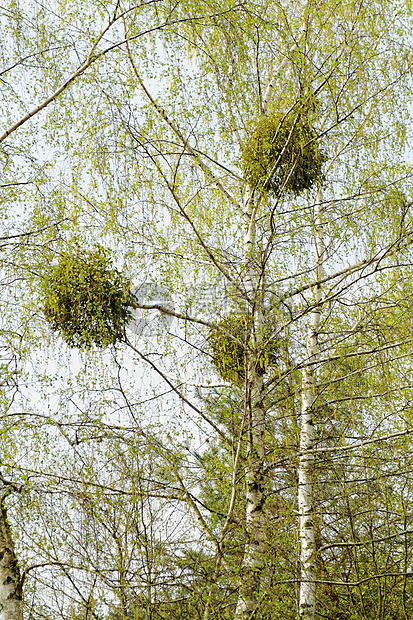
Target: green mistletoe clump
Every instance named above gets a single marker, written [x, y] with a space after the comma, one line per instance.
[282, 154]
[85, 299]
[229, 344]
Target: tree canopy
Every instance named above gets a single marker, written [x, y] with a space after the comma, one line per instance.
[218, 196]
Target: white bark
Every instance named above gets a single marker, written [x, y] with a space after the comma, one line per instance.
[11, 604]
[253, 560]
[305, 490]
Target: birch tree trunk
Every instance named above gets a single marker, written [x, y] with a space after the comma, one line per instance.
[253, 559]
[11, 604]
[305, 488]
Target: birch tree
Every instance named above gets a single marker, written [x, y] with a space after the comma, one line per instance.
[182, 139]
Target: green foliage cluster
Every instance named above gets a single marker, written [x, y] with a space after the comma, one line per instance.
[282, 154]
[85, 299]
[229, 345]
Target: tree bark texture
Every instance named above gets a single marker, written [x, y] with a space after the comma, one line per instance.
[254, 557]
[11, 604]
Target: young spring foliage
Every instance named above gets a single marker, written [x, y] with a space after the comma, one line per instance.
[85, 299]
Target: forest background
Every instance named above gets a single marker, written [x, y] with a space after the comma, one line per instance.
[206, 326]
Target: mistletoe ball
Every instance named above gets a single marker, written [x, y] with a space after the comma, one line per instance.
[85, 299]
[282, 154]
[229, 344]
